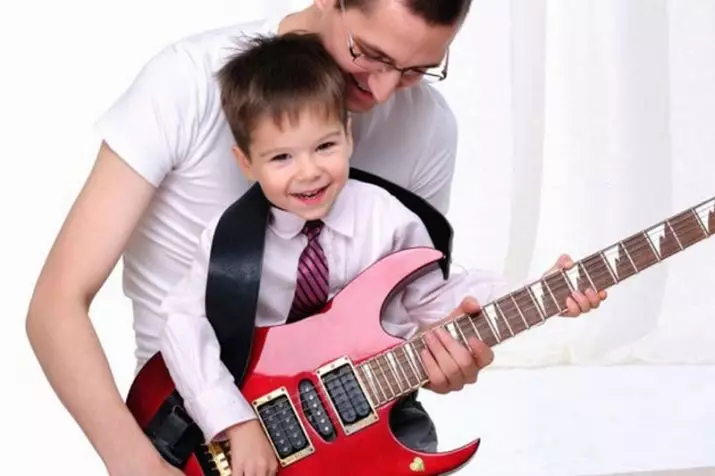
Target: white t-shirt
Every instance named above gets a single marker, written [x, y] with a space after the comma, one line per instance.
[364, 225]
[170, 128]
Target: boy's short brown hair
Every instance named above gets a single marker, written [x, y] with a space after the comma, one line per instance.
[279, 77]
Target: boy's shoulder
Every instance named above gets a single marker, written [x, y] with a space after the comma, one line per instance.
[378, 202]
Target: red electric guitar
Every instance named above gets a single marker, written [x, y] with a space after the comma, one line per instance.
[325, 405]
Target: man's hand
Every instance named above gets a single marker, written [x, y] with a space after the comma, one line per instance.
[450, 365]
[579, 302]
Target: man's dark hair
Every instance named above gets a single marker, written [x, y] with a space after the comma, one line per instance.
[433, 12]
[279, 77]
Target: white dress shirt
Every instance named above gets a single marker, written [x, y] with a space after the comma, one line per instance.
[365, 224]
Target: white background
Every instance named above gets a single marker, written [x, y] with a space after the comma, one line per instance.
[581, 122]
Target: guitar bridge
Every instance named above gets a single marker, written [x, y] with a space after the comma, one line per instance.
[284, 429]
[347, 396]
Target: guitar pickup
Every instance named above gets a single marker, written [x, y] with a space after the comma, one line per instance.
[347, 396]
[283, 427]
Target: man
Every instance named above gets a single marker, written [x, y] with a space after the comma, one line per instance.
[164, 168]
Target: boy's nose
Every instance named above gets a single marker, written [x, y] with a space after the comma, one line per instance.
[308, 169]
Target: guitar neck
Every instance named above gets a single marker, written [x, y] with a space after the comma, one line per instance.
[400, 370]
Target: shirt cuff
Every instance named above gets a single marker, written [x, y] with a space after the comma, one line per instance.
[219, 408]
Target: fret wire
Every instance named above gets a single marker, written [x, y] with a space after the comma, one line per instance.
[548, 288]
[387, 379]
[628, 255]
[688, 228]
[411, 363]
[526, 324]
[652, 245]
[536, 303]
[487, 321]
[401, 365]
[390, 365]
[700, 222]
[602, 254]
[449, 328]
[642, 244]
[373, 382]
[588, 276]
[495, 317]
[459, 329]
[368, 384]
[568, 281]
[377, 379]
[476, 331]
[415, 356]
[598, 271]
[680, 245]
[485, 324]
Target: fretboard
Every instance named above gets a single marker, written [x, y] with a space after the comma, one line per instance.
[400, 371]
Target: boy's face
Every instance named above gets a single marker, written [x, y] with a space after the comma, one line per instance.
[301, 165]
[365, 44]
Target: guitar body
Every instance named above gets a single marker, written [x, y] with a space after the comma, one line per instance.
[305, 358]
[323, 387]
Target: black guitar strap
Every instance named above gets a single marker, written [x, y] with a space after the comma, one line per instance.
[236, 260]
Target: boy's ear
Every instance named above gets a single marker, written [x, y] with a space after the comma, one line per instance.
[349, 135]
[349, 129]
[243, 162]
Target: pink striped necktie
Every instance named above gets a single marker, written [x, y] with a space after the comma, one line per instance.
[311, 290]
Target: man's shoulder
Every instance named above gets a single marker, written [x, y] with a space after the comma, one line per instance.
[208, 50]
[415, 118]
[208, 41]
[419, 102]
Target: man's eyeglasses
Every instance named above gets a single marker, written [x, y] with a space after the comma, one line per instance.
[378, 65]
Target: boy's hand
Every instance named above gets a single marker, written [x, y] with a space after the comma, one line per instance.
[251, 452]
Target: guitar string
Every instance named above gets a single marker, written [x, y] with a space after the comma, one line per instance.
[635, 252]
[510, 317]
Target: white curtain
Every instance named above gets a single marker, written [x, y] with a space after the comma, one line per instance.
[581, 122]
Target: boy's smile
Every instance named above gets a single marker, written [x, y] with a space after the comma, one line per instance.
[301, 163]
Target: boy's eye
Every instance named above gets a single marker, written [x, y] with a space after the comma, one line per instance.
[280, 157]
[326, 145]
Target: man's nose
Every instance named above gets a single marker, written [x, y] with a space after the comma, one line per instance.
[382, 85]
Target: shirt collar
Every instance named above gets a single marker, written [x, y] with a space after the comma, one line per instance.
[340, 218]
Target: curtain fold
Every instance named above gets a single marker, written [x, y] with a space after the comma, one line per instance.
[587, 121]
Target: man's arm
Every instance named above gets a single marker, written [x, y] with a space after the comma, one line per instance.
[87, 248]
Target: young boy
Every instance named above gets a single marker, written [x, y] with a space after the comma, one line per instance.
[284, 100]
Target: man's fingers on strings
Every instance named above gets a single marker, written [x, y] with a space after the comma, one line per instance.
[445, 366]
[437, 380]
[460, 355]
[469, 305]
[482, 354]
[446, 352]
